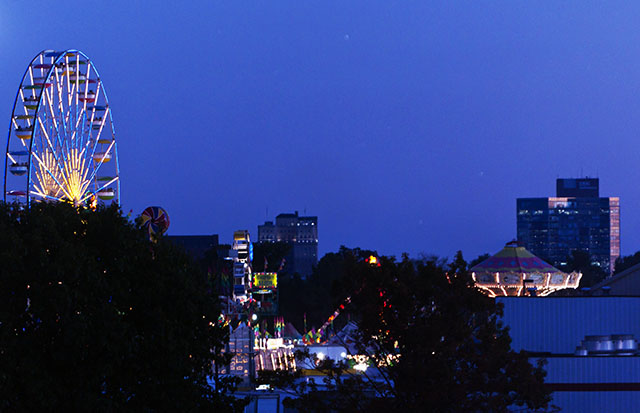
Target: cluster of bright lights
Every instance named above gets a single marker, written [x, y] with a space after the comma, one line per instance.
[66, 179]
[361, 361]
[74, 175]
[361, 367]
[543, 284]
[373, 261]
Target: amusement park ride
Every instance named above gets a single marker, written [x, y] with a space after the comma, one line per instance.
[253, 292]
[61, 147]
[61, 144]
[242, 257]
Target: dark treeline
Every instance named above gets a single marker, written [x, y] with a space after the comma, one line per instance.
[437, 339]
[95, 317]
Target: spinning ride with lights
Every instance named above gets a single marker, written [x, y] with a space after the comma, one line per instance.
[61, 144]
[514, 271]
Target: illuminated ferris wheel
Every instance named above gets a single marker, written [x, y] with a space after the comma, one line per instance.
[61, 144]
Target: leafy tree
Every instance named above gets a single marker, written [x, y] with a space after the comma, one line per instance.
[628, 261]
[581, 261]
[94, 317]
[435, 344]
[215, 263]
[318, 295]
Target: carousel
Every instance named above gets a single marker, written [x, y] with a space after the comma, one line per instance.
[514, 271]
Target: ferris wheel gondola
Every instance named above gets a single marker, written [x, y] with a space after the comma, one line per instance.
[61, 144]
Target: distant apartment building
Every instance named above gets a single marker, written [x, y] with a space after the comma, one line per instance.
[301, 233]
[577, 218]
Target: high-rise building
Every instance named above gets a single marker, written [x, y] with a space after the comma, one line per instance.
[577, 218]
[301, 233]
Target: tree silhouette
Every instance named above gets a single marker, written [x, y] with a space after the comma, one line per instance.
[434, 344]
[94, 317]
[581, 261]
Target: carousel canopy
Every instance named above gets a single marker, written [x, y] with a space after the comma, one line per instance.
[515, 258]
[513, 271]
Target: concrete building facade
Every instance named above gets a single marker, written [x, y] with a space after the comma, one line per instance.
[298, 231]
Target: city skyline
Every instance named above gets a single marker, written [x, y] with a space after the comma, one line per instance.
[405, 127]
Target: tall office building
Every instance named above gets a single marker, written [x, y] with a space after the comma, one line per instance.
[577, 218]
[301, 233]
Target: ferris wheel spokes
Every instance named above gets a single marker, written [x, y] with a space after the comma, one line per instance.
[41, 174]
[58, 145]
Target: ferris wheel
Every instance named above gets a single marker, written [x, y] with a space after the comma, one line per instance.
[61, 144]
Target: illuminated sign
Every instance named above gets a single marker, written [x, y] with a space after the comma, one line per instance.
[265, 279]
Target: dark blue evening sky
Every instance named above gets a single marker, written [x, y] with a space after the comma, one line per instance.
[403, 125]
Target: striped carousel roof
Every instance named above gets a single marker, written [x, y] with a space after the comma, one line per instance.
[514, 258]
